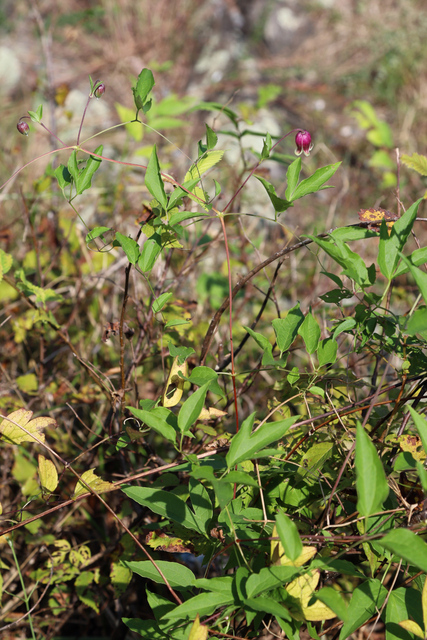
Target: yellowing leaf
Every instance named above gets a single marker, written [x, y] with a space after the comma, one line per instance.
[93, 481]
[174, 378]
[211, 413]
[416, 162]
[279, 557]
[424, 604]
[317, 612]
[198, 631]
[5, 263]
[301, 590]
[48, 474]
[209, 160]
[412, 627]
[12, 432]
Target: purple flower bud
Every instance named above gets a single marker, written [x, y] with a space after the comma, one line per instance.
[23, 127]
[99, 89]
[303, 142]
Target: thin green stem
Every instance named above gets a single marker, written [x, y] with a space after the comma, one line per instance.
[21, 579]
[230, 320]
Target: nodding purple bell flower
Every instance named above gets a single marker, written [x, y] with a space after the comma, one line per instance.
[303, 142]
[99, 90]
[23, 127]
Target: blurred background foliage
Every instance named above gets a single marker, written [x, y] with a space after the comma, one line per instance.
[353, 73]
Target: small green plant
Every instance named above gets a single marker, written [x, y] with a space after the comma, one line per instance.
[276, 484]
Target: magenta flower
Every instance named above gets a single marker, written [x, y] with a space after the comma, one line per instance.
[23, 127]
[303, 142]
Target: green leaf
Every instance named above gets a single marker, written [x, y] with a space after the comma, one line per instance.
[84, 180]
[36, 116]
[333, 600]
[178, 575]
[63, 176]
[309, 330]
[165, 504]
[365, 602]
[240, 477]
[268, 605]
[244, 444]
[266, 147]
[178, 193]
[223, 489]
[73, 167]
[314, 459]
[161, 301]
[160, 419]
[182, 353]
[6, 262]
[391, 245]
[158, 603]
[315, 182]
[42, 295]
[175, 322]
[279, 204]
[420, 277]
[201, 375]
[293, 376]
[191, 408]
[141, 90]
[403, 603]
[269, 578]
[150, 252]
[422, 474]
[421, 425]
[153, 180]
[180, 216]
[417, 257]
[146, 628]
[202, 505]
[222, 585]
[211, 137]
[289, 536]
[292, 177]
[265, 345]
[129, 246]
[407, 545]
[416, 323]
[327, 351]
[353, 265]
[347, 234]
[203, 604]
[100, 238]
[286, 329]
[345, 325]
[371, 481]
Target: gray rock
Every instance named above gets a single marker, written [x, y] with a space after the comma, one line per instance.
[10, 70]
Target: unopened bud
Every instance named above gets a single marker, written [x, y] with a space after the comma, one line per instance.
[99, 90]
[23, 127]
[303, 142]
